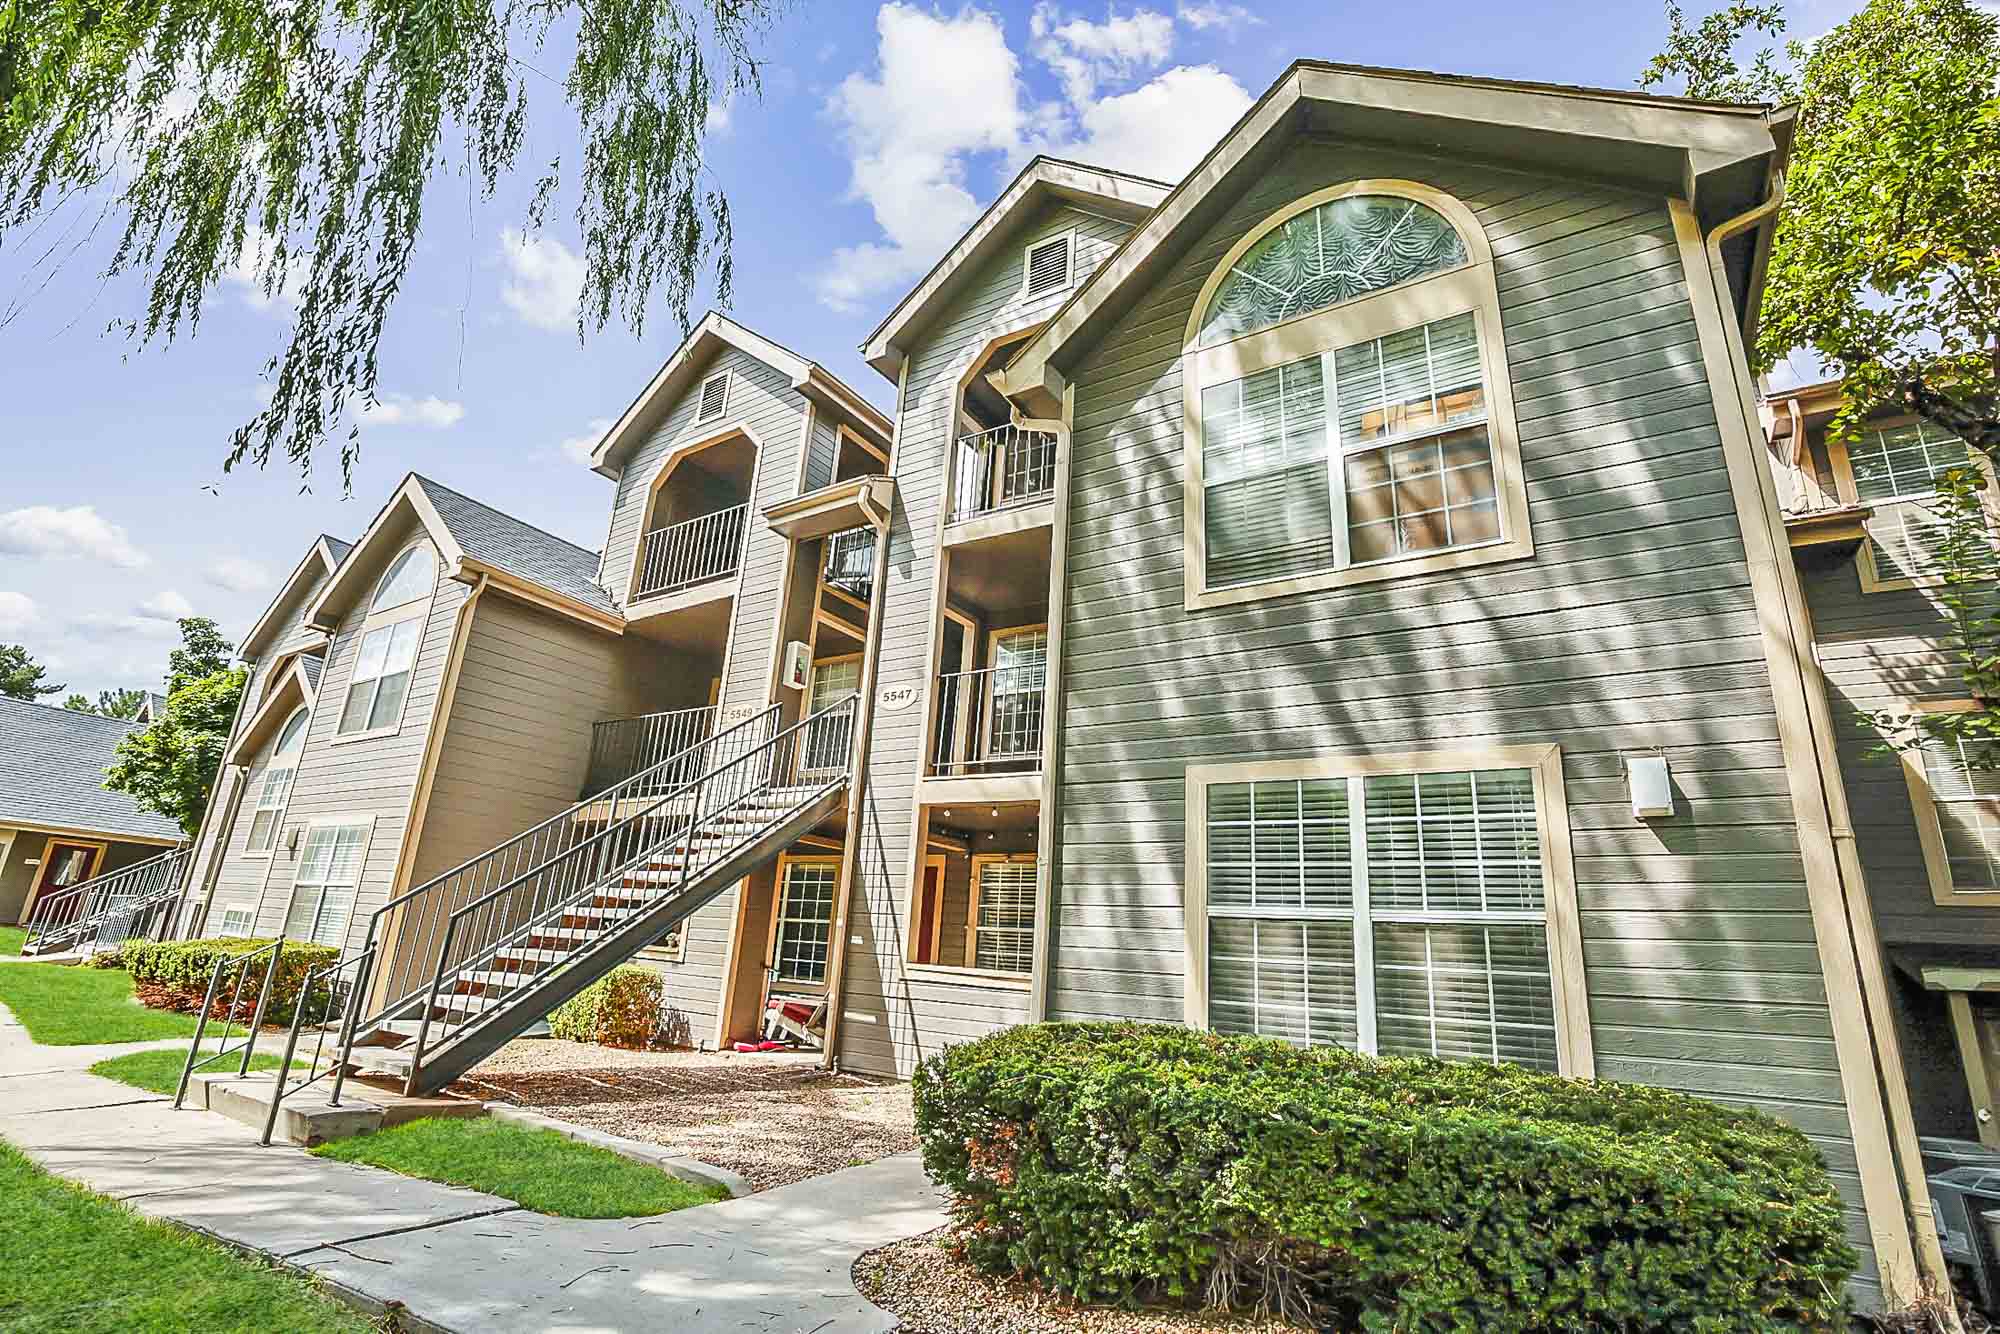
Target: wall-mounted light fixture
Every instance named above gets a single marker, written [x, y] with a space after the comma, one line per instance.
[292, 842]
[1651, 784]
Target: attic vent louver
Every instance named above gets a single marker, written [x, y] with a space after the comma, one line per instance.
[714, 397]
[1046, 267]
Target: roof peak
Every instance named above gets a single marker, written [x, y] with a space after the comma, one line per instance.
[511, 518]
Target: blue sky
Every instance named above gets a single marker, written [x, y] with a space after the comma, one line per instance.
[880, 133]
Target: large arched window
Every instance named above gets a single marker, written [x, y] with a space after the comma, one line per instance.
[1348, 413]
[410, 576]
[276, 786]
[386, 648]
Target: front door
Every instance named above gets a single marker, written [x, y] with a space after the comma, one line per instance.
[63, 865]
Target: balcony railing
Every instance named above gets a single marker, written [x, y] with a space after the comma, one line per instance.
[850, 562]
[692, 552]
[621, 747]
[1001, 468]
[990, 721]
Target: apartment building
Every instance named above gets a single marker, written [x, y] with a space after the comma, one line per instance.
[1339, 596]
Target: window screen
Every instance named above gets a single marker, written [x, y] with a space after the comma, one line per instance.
[1895, 471]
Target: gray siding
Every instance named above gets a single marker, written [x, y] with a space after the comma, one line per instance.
[890, 1019]
[1631, 627]
[822, 454]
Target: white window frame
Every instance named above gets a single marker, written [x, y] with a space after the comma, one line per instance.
[1068, 238]
[248, 918]
[979, 862]
[779, 920]
[1841, 460]
[278, 808]
[1568, 994]
[1930, 829]
[1470, 288]
[385, 620]
[366, 823]
[382, 584]
[701, 396]
[991, 692]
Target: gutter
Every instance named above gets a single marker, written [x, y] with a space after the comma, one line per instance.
[1862, 945]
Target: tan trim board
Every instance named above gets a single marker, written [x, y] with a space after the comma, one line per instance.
[78, 834]
[992, 789]
[1930, 830]
[1001, 523]
[266, 625]
[1979, 1076]
[420, 794]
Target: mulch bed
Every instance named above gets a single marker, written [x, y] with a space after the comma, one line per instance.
[924, 1281]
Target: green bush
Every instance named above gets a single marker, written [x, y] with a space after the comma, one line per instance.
[620, 1009]
[173, 974]
[1133, 1163]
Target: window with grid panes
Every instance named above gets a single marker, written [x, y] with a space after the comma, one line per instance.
[1400, 914]
[1020, 676]
[1965, 791]
[1004, 930]
[276, 786]
[326, 883]
[805, 920]
[1895, 471]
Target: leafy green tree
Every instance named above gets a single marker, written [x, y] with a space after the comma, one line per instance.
[110, 703]
[21, 677]
[298, 140]
[169, 766]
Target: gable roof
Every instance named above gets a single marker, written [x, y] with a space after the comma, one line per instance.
[1118, 193]
[290, 690]
[1719, 155]
[323, 557]
[473, 539]
[52, 774]
[715, 332]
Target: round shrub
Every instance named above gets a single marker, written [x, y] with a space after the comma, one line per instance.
[1132, 1163]
[620, 1009]
[173, 975]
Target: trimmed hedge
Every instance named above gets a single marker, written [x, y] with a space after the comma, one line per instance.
[173, 974]
[1133, 1163]
[620, 1009]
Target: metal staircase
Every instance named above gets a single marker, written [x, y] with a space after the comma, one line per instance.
[470, 959]
[137, 902]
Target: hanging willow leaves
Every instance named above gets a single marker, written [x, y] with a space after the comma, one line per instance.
[292, 142]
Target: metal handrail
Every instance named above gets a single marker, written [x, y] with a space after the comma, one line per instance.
[535, 848]
[991, 720]
[352, 999]
[128, 891]
[240, 965]
[690, 552]
[849, 562]
[1002, 467]
[621, 747]
[761, 763]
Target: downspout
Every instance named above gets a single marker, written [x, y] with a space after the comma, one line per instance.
[1863, 942]
[857, 784]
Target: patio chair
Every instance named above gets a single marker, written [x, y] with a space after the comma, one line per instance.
[802, 1018]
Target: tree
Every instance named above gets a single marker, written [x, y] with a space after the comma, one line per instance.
[110, 703]
[21, 677]
[169, 766]
[297, 140]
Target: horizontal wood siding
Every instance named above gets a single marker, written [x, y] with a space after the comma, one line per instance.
[822, 454]
[891, 1020]
[1631, 627]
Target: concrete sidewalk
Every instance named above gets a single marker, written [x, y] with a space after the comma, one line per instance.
[776, 1262]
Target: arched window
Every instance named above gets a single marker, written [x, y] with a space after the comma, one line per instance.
[410, 576]
[277, 785]
[1347, 406]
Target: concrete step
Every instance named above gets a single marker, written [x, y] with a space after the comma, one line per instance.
[307, 1118]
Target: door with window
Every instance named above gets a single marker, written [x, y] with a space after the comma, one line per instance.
[802, 932]
[1016, 688]
[827, 742]
[327, 883]
[64, 866]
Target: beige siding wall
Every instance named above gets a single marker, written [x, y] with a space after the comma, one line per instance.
[890, 1019]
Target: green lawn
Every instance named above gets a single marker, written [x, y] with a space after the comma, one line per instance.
[74, 1261]
[538, 1169]
[11, 938]
[64, 1006]
[160, 1071]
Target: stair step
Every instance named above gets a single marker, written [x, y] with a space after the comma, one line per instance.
[529, 954]
[497, 980]
[381, 1061]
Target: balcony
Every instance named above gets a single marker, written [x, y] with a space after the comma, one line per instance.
[622, 747]
[989, 722]
[693, 552]
[849, 563]
[1002, 469]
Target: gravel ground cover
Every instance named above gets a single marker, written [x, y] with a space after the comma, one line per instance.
[935, 1292]
[775, 1118]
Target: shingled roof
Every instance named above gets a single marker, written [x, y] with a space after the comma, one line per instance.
[52, 773]
[505, 543]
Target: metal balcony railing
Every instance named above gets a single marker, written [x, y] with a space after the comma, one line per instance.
[990, 721]
[692, 552]
[1001, 468]
[621, 747]
[850, 562]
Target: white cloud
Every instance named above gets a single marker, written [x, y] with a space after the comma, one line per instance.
[720, 109]
[1162, 129]
[17, 612]
[245, 275]
[238, 574]
[167, 605]
[1224, 17]
[78, 532]
[430, 412]
[1084, 54]
[544, 276]
[945, 89]
[577, 448]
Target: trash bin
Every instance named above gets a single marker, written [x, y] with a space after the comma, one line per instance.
[1941, 1154]
[1966, 1204]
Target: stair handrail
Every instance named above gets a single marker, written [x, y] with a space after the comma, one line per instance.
[310, 992]
[240, 965]
[99, 895]
[682, 833]
[612, 797]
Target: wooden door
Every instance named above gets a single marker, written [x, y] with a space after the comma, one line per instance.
[63, 864]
